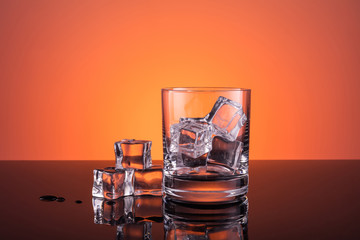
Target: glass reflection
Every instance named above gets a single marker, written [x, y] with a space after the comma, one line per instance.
[200, 222]
[150, 217]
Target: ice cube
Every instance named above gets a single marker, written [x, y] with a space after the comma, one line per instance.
[118, 183]
[134, 231]
[228, 117]
[131, 153]
[97, 190]
[191, 138]
[113, 212]
[148, 181]
[225, 153]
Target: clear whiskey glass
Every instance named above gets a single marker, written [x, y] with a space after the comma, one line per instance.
[206, 143]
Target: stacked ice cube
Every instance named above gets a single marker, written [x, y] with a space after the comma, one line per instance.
[119, 193]
[195, 142]
[133, 173]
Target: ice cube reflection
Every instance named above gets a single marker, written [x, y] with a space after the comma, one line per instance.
[138, 218]
[127, 209]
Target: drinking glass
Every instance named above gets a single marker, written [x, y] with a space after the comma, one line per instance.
[206, 143]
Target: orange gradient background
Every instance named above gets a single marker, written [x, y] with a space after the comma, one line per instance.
[78, 75]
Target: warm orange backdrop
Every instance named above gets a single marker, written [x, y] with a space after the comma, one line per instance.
[78, 75]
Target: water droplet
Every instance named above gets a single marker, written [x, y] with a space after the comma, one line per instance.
[48, 198]
[60, 199]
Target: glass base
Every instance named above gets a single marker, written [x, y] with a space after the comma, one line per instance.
[206, 188]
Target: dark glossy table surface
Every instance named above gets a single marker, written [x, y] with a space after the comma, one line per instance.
[287, 200]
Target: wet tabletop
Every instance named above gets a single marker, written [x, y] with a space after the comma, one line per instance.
[286, 200]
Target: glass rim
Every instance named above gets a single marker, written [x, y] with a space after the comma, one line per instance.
[204, 89]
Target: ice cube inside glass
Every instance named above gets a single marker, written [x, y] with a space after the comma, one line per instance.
[226, 153]
[192, 138]
[206, 143]
[228, 117]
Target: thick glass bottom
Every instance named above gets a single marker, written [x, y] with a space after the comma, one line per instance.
[205, 188]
